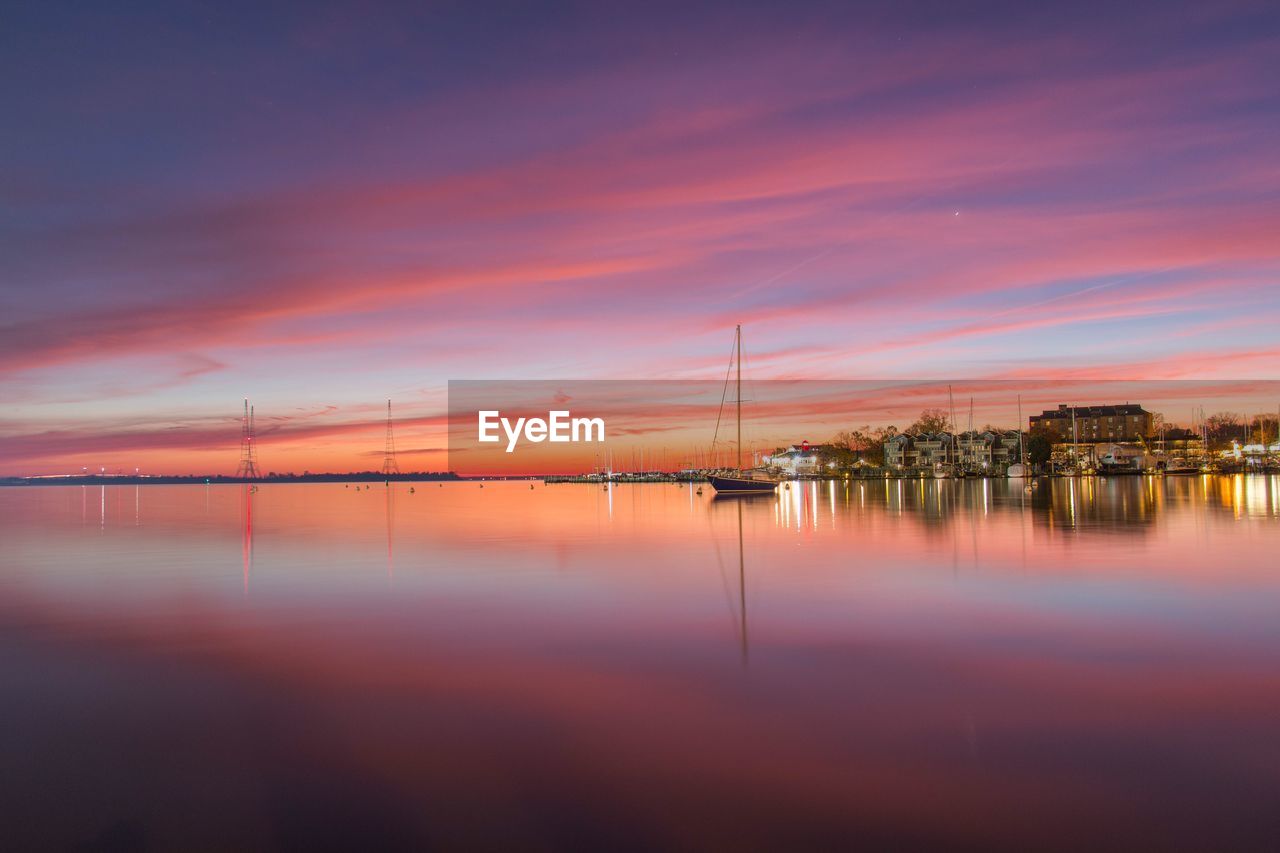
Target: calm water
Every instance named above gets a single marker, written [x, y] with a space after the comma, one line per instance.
[313, 666]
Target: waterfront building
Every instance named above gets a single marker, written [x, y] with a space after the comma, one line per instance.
[988, 448]
[1176, 441]
[900, 451]
[935, 448]
[921, 450]
[800, 460]
[1095, 424]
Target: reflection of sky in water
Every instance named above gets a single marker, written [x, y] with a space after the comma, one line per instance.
[515, 665]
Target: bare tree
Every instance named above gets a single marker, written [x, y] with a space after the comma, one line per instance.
[1223, 428]
[932, 420]
[1263, 429]
[865, 442]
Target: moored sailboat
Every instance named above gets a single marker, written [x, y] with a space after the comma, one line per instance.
[751, 481]
[1019, 469]
[746, 482]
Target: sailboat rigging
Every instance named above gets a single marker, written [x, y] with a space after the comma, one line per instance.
[1019, 469]
[752, 481]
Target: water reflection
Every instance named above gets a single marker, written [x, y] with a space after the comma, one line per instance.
[246, 542]
[915, 663]
[1123, 503]
[390, 513]
[740, 612]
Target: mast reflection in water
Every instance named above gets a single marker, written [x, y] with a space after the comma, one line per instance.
[937, 662]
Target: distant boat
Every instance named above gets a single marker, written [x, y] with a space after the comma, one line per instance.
[1120, 460]
[1017, 471]
[752, 481]
[1180, 466]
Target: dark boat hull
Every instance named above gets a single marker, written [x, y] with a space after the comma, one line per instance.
[741, 485]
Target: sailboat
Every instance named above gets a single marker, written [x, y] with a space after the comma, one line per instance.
[970, 466]
[1018, 470]
[1074, 470]
[753, 481]
[945, 470]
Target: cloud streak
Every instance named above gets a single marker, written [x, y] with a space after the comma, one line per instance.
[1018, 188]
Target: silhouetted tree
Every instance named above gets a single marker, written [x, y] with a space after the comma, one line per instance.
[1223, 428]
[866, 443]
[839, 455]
[931, 420]
[1040, 445]
[1263, 429]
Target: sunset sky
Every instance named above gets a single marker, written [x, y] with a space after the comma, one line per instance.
[322, 206]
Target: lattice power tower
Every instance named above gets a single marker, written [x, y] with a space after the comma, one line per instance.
[389, 465]
[248, 469]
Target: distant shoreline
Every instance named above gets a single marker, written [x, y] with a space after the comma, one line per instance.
[194, 480]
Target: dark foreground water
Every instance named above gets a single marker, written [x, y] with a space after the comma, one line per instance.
[933, 664]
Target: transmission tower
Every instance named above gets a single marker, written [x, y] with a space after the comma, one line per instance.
[389, 465]
[248, 469]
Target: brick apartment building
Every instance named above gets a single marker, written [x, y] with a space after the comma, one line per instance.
[1093, 424]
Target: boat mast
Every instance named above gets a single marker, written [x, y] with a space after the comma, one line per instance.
[1021, 453]
[951, 406]
[738, 341]
[1073, 434]
[971, 434]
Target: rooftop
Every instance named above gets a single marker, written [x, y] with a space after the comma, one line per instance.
[1065, 411]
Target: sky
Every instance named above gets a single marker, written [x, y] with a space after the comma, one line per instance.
[323, 206]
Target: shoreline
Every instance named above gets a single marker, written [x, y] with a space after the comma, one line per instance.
[563, 479]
